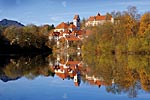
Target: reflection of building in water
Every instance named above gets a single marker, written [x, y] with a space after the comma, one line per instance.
[68, 69]
[99, 81]
[95, 80]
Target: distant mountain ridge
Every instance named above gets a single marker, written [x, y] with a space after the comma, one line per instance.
[7, 23]
[5, 78]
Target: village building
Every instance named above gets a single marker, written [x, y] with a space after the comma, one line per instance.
[71, 32]
[69, 27]
[95, 80]
[67, 31]
[98, 19]
[68, 69]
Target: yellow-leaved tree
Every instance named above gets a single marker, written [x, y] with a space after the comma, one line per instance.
[144, 23]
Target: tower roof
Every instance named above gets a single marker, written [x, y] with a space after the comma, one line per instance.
[76, 17]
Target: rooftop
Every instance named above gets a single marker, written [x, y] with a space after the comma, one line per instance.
[99, 17]
[62, 25]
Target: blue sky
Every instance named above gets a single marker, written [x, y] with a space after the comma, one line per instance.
[42, 12]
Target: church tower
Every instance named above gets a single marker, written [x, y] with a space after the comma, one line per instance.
[76, 21]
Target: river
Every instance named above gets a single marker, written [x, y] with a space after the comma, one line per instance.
[71, 77]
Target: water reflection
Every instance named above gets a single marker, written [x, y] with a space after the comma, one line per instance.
[119, 74]
[122, 74]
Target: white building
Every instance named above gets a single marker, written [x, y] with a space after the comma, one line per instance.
[99, 19]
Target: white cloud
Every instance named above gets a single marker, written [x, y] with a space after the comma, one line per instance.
[64, 3]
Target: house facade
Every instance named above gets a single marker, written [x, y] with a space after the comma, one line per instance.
[98, 19]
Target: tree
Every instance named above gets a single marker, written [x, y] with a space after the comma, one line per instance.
[132, 10]
[45, 29]
[11, 33]
[144, 23]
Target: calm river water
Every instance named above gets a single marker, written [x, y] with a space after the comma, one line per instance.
[68, 77]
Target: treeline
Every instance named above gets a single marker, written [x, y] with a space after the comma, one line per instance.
[30, 38]
[130, 34]
[29, 67]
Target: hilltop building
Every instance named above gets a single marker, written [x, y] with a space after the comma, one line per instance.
[99, 19]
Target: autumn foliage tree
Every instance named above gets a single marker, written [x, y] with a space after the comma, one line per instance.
[144, 23]
[28, 36]
[122, 36]
[112, 52]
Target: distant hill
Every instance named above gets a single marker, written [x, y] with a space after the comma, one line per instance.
[5, 78]
[6, 23]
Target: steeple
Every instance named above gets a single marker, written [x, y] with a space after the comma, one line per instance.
[76, 21]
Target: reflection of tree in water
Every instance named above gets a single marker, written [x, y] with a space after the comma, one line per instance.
[29, 67]
[130, 73]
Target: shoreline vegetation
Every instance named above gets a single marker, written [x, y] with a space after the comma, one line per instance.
[129, 34]
[25, 40]
[120, 51]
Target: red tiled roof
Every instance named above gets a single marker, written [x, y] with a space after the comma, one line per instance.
[62, 75]
[73, 62]
[62, 25]
[98, 83]
[91, 18]
[98, 17]
[65, 26]
[72, 38]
